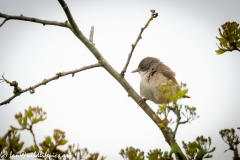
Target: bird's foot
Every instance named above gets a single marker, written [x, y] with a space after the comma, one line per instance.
[142, 101]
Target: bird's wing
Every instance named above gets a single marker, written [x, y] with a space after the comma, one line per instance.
[165, 70]
[170, 75]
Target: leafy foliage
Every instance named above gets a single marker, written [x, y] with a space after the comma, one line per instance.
[229, 37]
[174, 93]
[10, 144]
[31, 116]
[157, 154]
[199, 149]
[231, 138]
[131, 153]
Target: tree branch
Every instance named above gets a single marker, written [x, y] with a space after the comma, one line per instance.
[35, 20]
[177, 124]
[154, 15]
[91, 34]
[31, 131]
[166, 131]
[75, 28]
[45, 81]
[175, 109]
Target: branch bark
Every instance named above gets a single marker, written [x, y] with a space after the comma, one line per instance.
[91, 34]
[34, 20]
[154, 15]
[166, 131]
[45, 81]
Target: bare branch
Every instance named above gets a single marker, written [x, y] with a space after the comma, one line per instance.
[45, 81]
[167, 132]
[176, 110]
[154, 15]
[31, 131]
[2, 80]
[72, 22]
[91, 34]
[35, 20]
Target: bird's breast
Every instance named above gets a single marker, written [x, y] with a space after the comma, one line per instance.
[148, 87]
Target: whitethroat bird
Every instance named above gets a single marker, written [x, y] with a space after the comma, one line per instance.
[153, 72]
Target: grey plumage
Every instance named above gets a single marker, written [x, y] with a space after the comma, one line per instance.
[154, 72]
[154, 65]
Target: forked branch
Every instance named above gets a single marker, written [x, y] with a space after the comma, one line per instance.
[167, 132]
[75, 28]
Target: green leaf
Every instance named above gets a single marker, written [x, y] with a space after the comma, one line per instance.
[223, 41]
[238, 44]
[163, 107]
[19, 146]
[13, 128]
[174, 148]
[38, 120]
[220, 51]
[192, 150]
[35, 121]
[233, 27]
[63, 142]
[24, 122]
[161, 125]
[175, 98]
[30, 149]
[208, 156]
[201, 152]
[212, 150]
[48, 140]
[183, 92]
[29, 113]
[238, 31]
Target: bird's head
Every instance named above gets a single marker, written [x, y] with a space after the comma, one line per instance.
[146, 65]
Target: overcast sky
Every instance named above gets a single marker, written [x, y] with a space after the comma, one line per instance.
[93, 109]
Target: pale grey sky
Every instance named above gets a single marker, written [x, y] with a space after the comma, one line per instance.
[92, 107]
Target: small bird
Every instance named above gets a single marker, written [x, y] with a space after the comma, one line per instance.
[154, 72]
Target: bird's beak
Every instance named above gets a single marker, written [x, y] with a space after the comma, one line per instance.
[136, 70]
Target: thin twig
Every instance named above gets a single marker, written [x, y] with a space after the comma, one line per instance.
[45, 81]
[176, 111]
[91, 34]
[154, 15]
[7, 134]
[2, 80]
[34, 139]
[35, 20]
